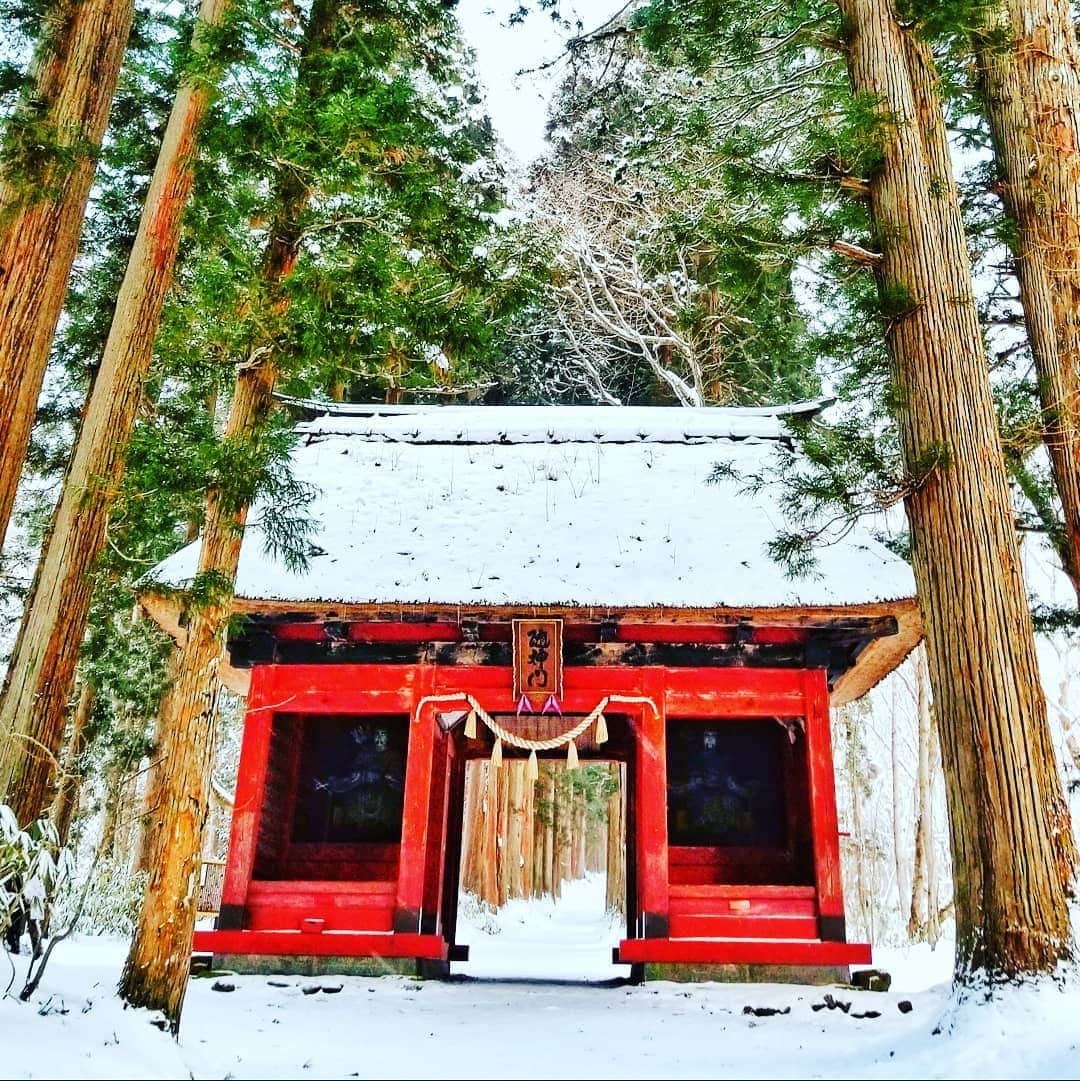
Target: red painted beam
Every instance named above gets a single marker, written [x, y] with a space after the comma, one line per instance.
[704, 692]
[339, 688]
[299, 632]
[685, 692]
[675, 634]
[328, 944]
[758, 890]
[735, 692]
[720, 925]
[742, 951]
[404, 632]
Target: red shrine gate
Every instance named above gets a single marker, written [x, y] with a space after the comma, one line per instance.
[763, 888]
[393, 659]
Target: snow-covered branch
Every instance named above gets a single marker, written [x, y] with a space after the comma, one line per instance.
[617, 314]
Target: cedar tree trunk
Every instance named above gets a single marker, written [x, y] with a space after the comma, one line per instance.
[1013, 853]
[42, 668]
[50, 153]
[921, 901]
[70, 789]
[1029, 65]
[515, 827]
[489, 884]
[898, 802]
[471, 829]
[615, 892]
[156, 971]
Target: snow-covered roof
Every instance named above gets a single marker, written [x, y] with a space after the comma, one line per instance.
[550, 506]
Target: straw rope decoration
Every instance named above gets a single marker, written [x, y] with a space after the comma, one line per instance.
[503, 735]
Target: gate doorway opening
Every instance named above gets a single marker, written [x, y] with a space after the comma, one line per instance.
[542, 888]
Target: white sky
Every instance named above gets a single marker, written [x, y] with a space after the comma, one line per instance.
[518, 105]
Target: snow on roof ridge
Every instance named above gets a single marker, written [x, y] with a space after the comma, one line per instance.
[375, 409]
[514, 424]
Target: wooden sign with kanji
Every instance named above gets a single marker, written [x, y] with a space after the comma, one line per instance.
[538, 659]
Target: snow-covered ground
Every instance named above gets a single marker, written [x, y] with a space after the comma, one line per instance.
[543, 939]
[568, 1028]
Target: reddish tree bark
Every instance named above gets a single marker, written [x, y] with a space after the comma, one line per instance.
[155, 974]
[42, 669]
[43, 195]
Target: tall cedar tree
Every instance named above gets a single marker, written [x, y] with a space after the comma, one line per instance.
[47, 165]
[373, 174]
[122, 664]
[121, 667]
[1029, 78]
[1013, 852]
[155, 974]
[41, 673]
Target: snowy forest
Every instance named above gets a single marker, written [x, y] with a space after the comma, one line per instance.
[219, 218]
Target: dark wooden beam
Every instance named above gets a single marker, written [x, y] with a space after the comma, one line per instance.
[834, 644]
[762, 631]
[836, 652]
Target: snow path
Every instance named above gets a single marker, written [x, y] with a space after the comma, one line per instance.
[542, 939]
[491, 1028]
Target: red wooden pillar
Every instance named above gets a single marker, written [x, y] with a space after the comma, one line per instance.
[435, 867]
[248, 805]
[451, 869]
[822, 783]
[651, 817]
[415, 813]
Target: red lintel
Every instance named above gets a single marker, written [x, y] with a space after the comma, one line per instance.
[405, 632]
[339, 688]
[689, 692]
[370, 688]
